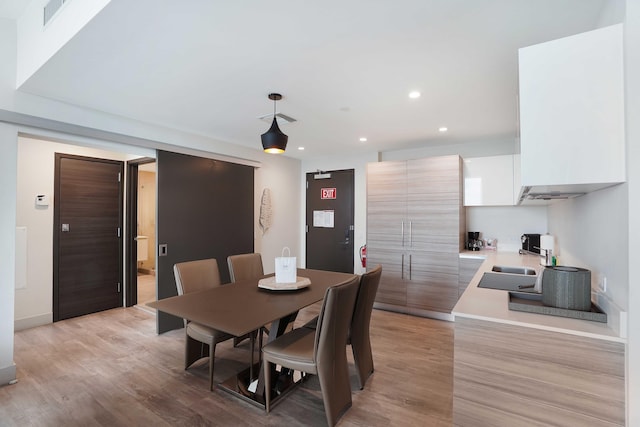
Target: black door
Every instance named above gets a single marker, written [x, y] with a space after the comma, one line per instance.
[87, 264]
[205, 210]
[330, 221]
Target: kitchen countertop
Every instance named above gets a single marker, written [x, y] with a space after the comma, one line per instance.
[493, 305]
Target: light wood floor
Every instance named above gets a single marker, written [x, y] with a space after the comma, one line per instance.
[146, 288]
[111, 369]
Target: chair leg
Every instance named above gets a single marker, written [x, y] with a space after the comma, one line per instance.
[267, 385]
[363, 359]
[194, 351]
[336, 389]
[212, 359]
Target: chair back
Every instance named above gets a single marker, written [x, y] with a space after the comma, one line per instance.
[364, 304]
[245, 266]
[333, 322]
[193, 276]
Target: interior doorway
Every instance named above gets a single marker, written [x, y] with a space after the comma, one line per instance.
[141, 232]
[146, 233]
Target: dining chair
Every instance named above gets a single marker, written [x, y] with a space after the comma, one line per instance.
[320, 351]
[359, 332]
[359, 337]
[193, 276]
[243, 267]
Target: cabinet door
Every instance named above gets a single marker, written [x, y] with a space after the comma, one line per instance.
[387, 204]
[468, 267]
[572, 109]
[432, 281]
[392, 288]
[434, 204]
[387, 227]
[488, 181]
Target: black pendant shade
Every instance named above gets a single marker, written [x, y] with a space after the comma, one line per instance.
[274, 141]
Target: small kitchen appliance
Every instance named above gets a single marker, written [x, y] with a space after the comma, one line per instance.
[531, 243]
[473, 241]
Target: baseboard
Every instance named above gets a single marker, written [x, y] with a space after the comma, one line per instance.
[32, 322]
[147, 271]
[8, 374]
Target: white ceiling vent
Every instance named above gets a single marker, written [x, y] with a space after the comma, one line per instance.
[51, 8]
[282, 119]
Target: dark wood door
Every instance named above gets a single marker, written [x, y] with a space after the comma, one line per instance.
[205, 210]
[330, 221]
[87, 236]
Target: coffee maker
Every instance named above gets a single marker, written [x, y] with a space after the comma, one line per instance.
[473, 241]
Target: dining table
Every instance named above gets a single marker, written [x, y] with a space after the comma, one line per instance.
[242, 308]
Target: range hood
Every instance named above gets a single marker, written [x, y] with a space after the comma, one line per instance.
[545, 194]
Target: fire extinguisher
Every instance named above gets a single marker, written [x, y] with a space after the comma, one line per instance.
[363, 255]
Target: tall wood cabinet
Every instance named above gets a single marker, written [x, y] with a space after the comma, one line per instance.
[415, 230]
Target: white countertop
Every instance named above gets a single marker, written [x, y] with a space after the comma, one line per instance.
[493, 304]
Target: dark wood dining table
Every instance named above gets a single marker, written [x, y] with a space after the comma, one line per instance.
[242, 307]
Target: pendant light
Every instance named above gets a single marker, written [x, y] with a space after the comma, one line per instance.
[274, 141]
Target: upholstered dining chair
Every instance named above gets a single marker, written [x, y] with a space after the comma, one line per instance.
[243, 267]
[248, 266]
[359, 331]
[193, 276]
[320, 351]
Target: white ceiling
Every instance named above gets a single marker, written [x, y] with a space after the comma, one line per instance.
[345, 68]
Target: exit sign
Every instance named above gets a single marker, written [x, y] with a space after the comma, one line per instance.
[327, 193]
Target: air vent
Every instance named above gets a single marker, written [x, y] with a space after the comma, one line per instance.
[51, 8]
[282, 119]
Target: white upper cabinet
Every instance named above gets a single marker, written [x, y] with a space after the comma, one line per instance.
[489, 181]
[572, 112]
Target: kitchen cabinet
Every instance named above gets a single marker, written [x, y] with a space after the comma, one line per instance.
[415, 226]
[467, 268]
[506, 375]
[572, 113]
[489, 181]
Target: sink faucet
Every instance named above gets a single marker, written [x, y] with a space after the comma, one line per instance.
[548, 256]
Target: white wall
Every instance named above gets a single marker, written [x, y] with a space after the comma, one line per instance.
[632, 96]
[281, 176]
[359, 165]
[477, 148]
[8, 148]
[37, 44]
[592, 232]
[33, 304]
[507, 223]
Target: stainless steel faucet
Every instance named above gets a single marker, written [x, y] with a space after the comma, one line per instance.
[548, 256]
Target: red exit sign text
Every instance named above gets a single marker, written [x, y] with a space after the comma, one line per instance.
[327, 193]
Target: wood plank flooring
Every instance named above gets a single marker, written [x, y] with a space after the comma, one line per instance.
[111, 369]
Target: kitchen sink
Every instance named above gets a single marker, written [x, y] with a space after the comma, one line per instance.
[514, 270]
[508, 281]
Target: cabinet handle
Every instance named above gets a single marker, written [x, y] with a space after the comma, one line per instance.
[410, 234]
[402, 268]
[409, 267]
[402, 232]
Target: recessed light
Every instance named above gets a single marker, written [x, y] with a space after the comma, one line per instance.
[301, 148]
[363, 139]
[415, 94]
[443, 129]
